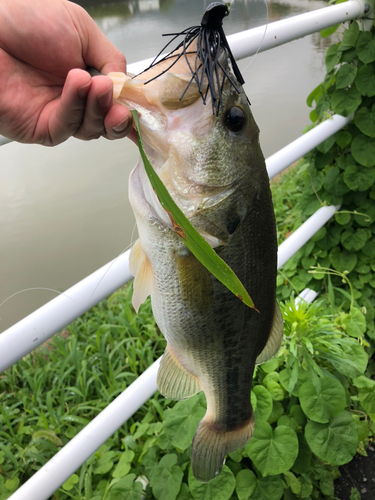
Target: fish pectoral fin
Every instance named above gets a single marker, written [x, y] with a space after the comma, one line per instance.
[141, 269]
[275, 338]
[173, 381]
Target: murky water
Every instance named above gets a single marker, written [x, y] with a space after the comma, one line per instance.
[64, 211]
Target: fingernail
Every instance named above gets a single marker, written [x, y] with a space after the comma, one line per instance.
[83, 91]
[105, 98]
[122, 126]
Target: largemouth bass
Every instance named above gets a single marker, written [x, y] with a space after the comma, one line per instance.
[213, 167]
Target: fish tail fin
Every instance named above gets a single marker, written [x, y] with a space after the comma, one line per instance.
[210, 446]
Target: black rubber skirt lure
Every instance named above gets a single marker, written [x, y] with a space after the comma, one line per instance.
[209, 71]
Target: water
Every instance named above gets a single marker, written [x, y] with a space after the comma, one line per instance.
[64, 211]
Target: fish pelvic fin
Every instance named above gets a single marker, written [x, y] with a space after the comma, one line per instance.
[141, 269]
[210, 446]
[275, 338]
[173, 380]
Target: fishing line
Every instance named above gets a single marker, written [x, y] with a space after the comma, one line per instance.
[261, 42]
[37, 288]
[114, 262]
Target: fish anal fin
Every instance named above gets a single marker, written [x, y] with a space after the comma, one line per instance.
[141, 269]
[210, 445]
[173, 381]
[275, 338]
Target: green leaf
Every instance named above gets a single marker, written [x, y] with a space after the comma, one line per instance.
[326, 145]
[126, 488]
[343, 139]
[335, 442]
[355, 494]
[12, 484]
[365, 121]
[249, 487]
[366, 394]
[166, 478]
[302, 463]
[272, 452]
[264, 403]
[315, 95]
[334, 182]
[329, 31]
[345, 101]
[184, 493]
[192, 239]
[69, 483]
[365, 47]
[363, 150]
[103, 468]
[345, 76]
[369, 248]
[367, 207]
[353, 240]
[323, 403]
[220, 488]
[277, 411]
[350, 36]
[333, 57]
[292, 482]
[365, 81]
[342, 218]
[49, 436]
[182, 420]
[359, 179]
[342, 260]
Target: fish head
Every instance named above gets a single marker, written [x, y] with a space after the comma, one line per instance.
[200, 154]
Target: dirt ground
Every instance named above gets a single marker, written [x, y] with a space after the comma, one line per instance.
[360, 474]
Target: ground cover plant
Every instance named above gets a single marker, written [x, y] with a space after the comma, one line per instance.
[311, 406]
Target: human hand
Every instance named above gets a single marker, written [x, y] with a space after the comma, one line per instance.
[45, 94]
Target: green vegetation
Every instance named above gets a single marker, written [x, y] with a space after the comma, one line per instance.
[314, 408]
[341, 171]
[314, 402]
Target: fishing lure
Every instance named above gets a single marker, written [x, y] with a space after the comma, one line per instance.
[210, 39]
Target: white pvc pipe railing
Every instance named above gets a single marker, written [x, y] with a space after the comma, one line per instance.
[55, 472]
[42, 324]
[302, 235]
[304, 144]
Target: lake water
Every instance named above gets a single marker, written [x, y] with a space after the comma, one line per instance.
[64, 211]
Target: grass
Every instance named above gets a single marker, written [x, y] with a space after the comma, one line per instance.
[51, 394]
[287, 189]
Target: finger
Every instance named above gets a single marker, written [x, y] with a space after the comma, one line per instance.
[118, 122]
[97, 50]
[64, 116]
[99, 102]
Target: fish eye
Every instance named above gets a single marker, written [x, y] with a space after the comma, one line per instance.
[235, 120]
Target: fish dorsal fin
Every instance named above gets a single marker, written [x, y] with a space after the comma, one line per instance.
[275, 338]
[141, 269]
[173, 381]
